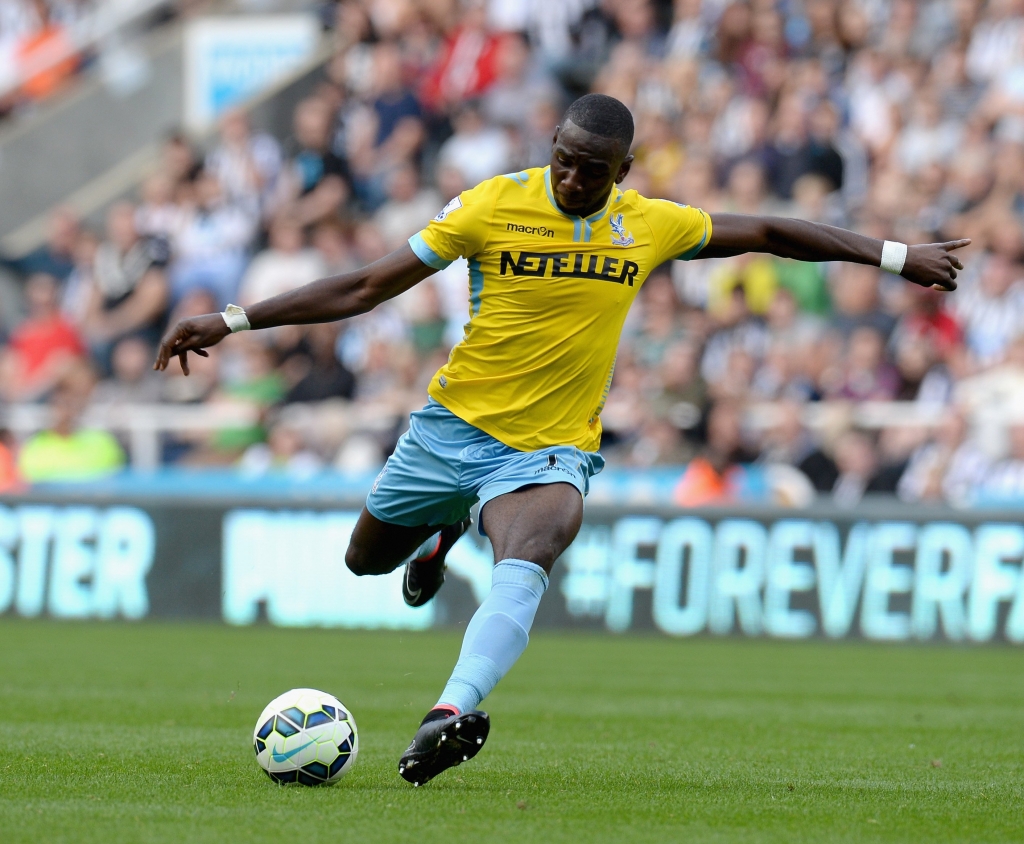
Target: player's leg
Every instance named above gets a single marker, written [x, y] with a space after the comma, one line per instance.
[379, 547]
[415, 509]
[529, 529]
[535, 523]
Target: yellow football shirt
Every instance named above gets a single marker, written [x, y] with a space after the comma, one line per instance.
[548, 295]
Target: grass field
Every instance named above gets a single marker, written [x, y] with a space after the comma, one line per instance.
[142, 733]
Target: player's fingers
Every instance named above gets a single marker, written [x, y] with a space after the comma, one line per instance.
[168, 348]
[956, 262]
[162, 357]
[202, 353]
[950, 245]
[183, 360]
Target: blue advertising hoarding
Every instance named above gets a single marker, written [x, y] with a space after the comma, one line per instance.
[229, 60]
[879, 572]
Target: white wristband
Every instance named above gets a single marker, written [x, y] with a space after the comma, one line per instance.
[235, 318]
[894, 256]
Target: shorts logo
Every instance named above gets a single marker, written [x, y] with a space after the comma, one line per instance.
[443, 382]
[553, 467]
[541, 231]
[454, 205]
[380, 477]
[620, 237]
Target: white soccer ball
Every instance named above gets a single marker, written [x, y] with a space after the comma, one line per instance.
[306, 737]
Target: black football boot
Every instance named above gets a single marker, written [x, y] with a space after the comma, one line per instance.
[425, 575]
[443, 741]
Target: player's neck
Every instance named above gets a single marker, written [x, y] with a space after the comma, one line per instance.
[590, 209]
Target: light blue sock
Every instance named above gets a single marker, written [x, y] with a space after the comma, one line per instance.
[498, 633]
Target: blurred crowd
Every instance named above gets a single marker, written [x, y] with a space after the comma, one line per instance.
[44, 44]
[903, 120]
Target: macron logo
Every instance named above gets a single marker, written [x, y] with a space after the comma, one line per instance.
[542, 231]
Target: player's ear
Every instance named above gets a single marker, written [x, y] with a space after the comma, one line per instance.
[627, 162]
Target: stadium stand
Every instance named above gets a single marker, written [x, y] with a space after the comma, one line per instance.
[904, 120]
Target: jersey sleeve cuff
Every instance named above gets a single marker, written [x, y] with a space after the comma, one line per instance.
[427, 255]
[690, 253]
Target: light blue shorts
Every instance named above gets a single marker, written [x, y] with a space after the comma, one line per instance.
[443, 466]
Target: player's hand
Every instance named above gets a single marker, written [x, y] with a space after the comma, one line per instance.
[191, 335]
[934, 264]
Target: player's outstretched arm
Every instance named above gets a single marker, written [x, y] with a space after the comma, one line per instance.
[326, 300]
[926, 264]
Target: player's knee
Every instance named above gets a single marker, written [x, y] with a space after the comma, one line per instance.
[359, 562]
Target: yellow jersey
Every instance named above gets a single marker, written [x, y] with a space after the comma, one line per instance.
[548, 294]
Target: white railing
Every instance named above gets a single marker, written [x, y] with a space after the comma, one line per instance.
[144, 425]
[875, 415]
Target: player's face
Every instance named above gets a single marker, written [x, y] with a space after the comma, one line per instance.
[584, 167]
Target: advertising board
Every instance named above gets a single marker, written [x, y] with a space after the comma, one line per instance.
[231, 59]
[882, 573]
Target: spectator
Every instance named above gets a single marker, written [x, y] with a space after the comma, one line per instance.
[66, 451]
[42, 348]
[132, 380]
[714, 476]
[737, 329]
[314, 182]
[246, 165]
[180, 161]
[948, 466]
[325, 377]
[682, 395]
[283, 451]
[10, 478]
[428, 327]
[78, 289]
[129, 286]
[210, 247]
[789, 442]
[56, 257]
[409, 206]
[385, 133]
[855, 294]
[990, 304]
[859, 469]
[1004, 480]
[467, 64]
[476, 150]
[928, 138]
[330, 240]
[160, 214]
[866, 376]
[46, 57]
[519, 84]
[286, 264]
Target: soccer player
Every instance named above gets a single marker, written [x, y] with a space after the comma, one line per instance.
[556, 257]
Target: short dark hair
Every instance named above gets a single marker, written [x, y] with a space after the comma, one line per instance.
[602, 115]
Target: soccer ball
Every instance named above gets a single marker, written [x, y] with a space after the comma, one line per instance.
[306, 737]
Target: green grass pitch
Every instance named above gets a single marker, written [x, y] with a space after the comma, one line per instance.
[142, 733]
